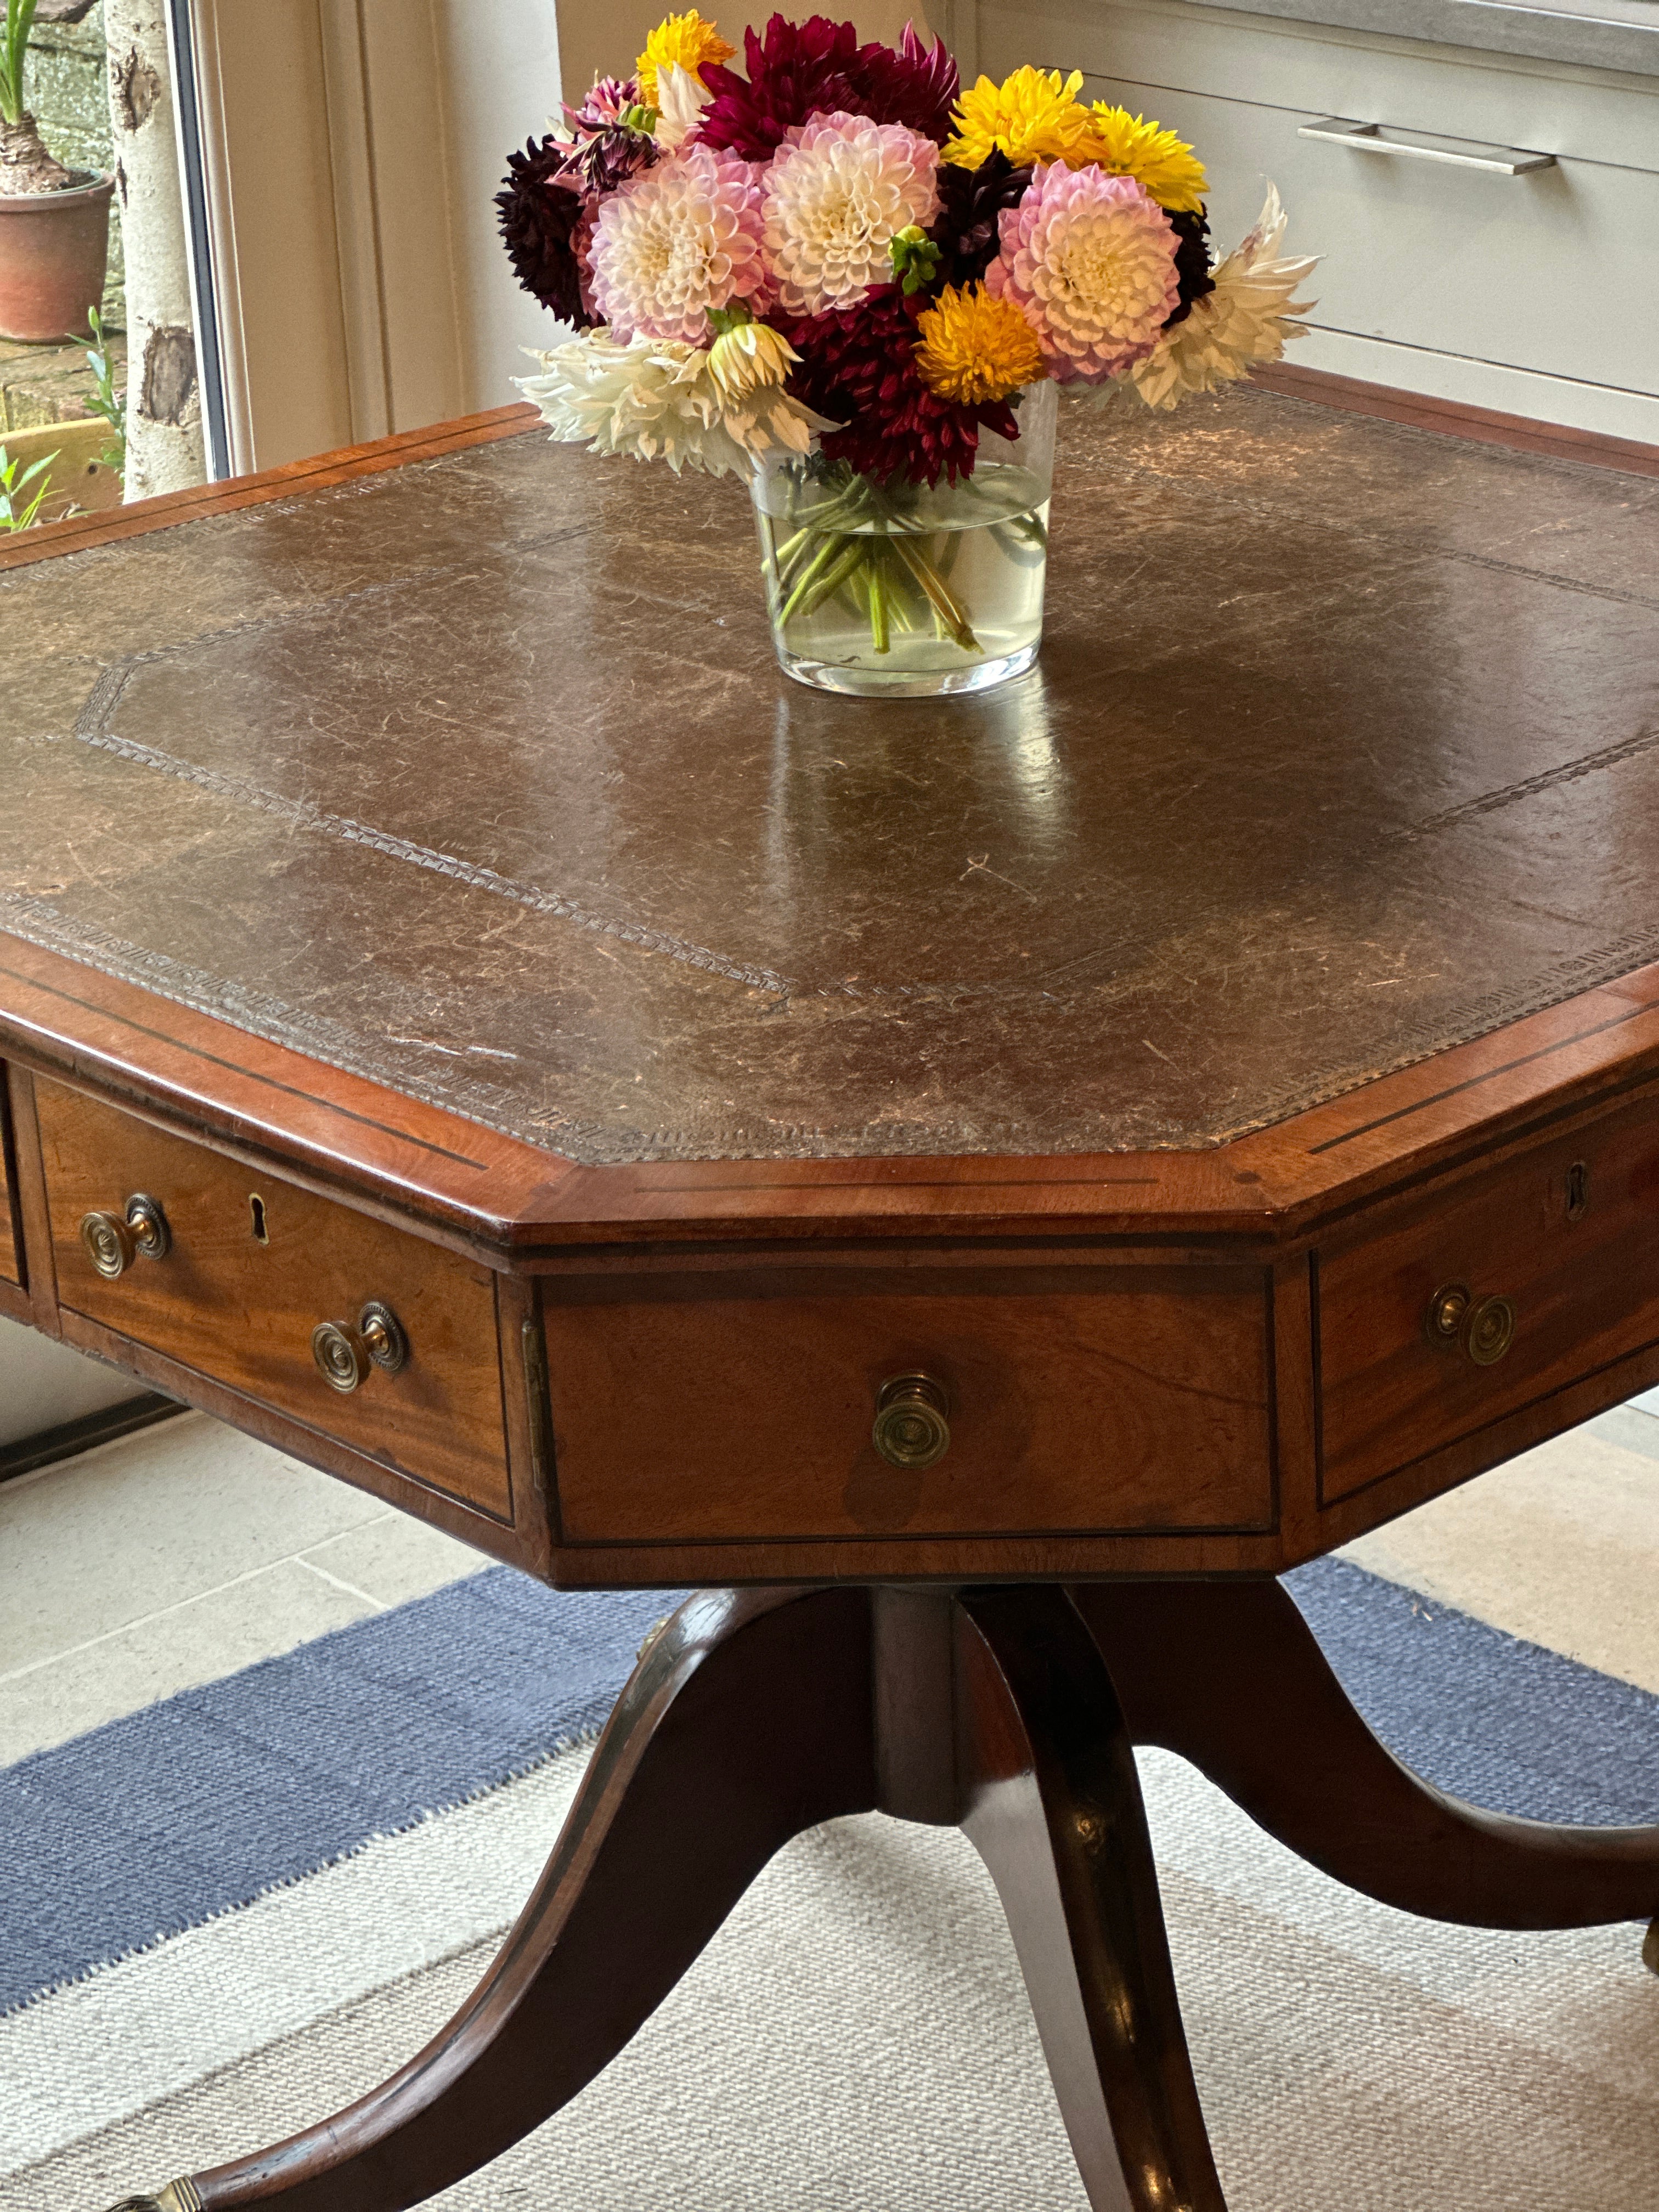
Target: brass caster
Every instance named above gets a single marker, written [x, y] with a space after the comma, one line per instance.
[1650, 1949]
[180, 2195]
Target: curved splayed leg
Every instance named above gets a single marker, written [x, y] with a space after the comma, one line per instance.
[1230, 1676]
[747, 1721]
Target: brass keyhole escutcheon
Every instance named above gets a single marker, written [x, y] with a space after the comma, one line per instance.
[912, 1426]
[1482, 1329]
[346, 1354]
[114, 1241]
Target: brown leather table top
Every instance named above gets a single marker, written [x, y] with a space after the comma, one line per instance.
[477, 777]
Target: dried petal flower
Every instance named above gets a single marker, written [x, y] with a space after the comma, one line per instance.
[657, 400]
[975, 347]
[682, 237]
[1246, 317]
[1034, 115]
[686, 42]
[838, 191]
[1090, 258]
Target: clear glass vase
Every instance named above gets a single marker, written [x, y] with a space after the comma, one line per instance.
[909, 590]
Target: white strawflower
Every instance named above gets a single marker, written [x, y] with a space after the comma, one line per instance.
[1247, 318]
[676, 240]
[837, 189]
[656, 399]
[681, 98]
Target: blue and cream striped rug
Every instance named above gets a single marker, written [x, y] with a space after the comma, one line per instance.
[226, 1914]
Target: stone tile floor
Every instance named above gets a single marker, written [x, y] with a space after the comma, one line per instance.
[187, 1551]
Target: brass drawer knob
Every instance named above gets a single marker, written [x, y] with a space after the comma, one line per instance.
[345, 1354]
[114, 1241]
[1483, 1329]
[912, 1427]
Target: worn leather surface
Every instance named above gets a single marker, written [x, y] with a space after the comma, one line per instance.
[477, 777]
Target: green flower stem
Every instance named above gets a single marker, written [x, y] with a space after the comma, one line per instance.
[946, 603]
[851, 557]
[809, 578]
[880, 636]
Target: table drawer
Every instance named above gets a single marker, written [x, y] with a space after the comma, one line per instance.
[1569, 1236]
[1080, 1398]
[253, 1264]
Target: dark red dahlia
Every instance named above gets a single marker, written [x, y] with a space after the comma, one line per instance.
[971, 200]
[858, 368]
[538, 218]
[1192, 261]
[917, 86]
[795, 70]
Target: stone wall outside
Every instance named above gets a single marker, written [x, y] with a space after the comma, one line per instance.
[66, 84]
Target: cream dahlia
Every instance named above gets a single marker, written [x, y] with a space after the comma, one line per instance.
[1246, 319]
[657, 400]
[681, 99]
[675, 241]
[1090, 258]
[838, 189]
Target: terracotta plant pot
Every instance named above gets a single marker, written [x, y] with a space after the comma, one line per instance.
[54, 249]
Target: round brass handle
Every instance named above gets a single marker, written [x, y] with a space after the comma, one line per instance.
[912, 1428]
[1482, 1329]
[344, 1353]
[114, 1241]
[1489, 1331]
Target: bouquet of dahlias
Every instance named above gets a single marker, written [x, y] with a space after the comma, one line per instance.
[850, 279]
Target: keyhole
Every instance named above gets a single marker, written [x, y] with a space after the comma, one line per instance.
[255, 1206]
[1578, 1190]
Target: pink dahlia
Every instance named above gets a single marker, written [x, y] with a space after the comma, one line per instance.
[838, 189]
[1092, 259]
[675, 242]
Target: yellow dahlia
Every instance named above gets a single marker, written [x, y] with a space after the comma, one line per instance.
[975, 347]
[685, 40]
[1163, 165]
[1034, 115]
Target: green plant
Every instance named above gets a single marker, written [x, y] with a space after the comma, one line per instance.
[14, 45]
[106, 400]
[26, 165]
[15, 512]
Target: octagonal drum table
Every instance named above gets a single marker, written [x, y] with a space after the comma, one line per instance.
[979, 1187]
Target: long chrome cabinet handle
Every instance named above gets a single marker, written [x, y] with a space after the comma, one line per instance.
[1367, 139]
